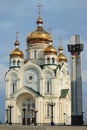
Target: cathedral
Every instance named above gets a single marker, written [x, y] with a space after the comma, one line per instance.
[38, 87]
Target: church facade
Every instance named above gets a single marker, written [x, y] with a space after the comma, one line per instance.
[38, 86]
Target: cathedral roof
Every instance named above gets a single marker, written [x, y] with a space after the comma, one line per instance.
[39, 35]
[16, 52]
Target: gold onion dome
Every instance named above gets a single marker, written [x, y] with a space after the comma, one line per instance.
[39, 35]
[61, 56]
[16, 52]
[50, 50]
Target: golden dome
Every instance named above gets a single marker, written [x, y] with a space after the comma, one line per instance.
[62, 58]
[50, 50]
[16, 52]
[39, 35]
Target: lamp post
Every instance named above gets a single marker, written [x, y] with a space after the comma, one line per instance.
[52, 105]
[35, 113]
[7, 115]
[10, 107]
[24, 109]
[64, 117]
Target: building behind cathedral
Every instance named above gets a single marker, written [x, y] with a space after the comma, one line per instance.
[38, 81]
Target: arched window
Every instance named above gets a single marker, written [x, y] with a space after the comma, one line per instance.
[18, 63]
[47, 87]
[14, 63]
[48, 60]
[53, 60]
[14, 86]
[35, 52]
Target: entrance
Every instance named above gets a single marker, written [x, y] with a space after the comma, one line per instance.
[28, 104]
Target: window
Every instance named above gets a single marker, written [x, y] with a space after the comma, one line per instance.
[47, 86]
[48, 89]
[53, 60]
[35, 54]
[28, 107]
[48, 60]
[18, 63]
[14, 63]
[14, 86]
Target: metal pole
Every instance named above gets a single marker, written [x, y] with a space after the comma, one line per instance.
[24, 109]
[10, 107]
[35, 112]
[52, 105]
[7, 115]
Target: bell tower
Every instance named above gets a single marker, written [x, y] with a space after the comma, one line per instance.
[75, 48]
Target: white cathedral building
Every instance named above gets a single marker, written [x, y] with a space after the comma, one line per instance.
[38, 86]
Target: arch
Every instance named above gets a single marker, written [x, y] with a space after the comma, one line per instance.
[49, 71]
[30, 65]
[28, 101]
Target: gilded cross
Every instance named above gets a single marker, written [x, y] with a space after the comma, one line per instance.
[39, 8]
[60, 40]
[17, 35]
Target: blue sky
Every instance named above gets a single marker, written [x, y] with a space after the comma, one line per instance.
[64, 17]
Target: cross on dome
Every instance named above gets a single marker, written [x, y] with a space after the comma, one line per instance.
[60, 39]
[17, 35]
[39, 8]
[16, 42]
[60, 47]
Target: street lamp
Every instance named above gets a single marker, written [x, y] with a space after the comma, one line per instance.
[7, 115]
[10, 107]
[52, 105]
[64, 117]
[24, 109]
[35, 113]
